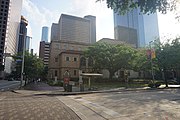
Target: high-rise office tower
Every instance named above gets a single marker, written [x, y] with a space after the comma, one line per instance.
[22, 35]
[28, 40]
[135, 28]
[92, 27]
[45, 34]
[55, 32]
[77, 29]
[44, 50]
[10, 15]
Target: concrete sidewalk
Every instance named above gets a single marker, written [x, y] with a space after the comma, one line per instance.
[41, 88]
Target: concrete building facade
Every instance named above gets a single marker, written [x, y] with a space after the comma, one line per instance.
[44, 50]
[55, 32]
[72, 28]
[10, 15]
[69, 37]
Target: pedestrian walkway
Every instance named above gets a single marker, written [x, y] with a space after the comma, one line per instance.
[41, 86]
[15, 106]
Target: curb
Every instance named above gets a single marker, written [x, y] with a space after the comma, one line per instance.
[95, 92]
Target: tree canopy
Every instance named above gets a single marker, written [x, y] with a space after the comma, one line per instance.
[146, 6]
[110, 57]
[33, 66]
[114, 58]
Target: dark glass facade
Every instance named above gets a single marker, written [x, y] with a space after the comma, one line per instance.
[135, 28]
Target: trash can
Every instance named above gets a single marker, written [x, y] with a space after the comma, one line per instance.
[81, 87]
[65, 87]
[69, 88]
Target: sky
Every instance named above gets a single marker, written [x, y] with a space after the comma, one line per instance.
[41, 13]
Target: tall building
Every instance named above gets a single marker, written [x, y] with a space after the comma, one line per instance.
[45, 34]
[10, 15]
[55, 32]
[92, 27]
[22, 34]
[69, 37]
[44, 52]
[28, 40]
[135, 28]
[77, 29]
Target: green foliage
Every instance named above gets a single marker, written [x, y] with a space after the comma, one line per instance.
[168, 55]
[146, 6]
[140, 61]
[114, 58]
[33, 66]
[110, 57]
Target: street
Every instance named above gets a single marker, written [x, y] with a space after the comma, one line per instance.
[129, 105]
[7, 85]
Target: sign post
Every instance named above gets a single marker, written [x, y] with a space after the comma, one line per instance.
[66, 81]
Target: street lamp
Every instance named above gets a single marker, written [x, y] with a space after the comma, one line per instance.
[23, 59]
[152, 71]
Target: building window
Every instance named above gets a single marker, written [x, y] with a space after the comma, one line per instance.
[72, 48]
[65, 47]
[75, 72]
[79, 49]
[56, 59]
[75, 59]
[67, 59]
[55, 73]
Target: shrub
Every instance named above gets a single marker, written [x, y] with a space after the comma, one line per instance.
[156, 85]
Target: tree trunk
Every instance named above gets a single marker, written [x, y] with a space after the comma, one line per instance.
[165, 78]
[111, 73]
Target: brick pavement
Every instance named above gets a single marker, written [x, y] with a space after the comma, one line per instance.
[41, 86]
[15, 106]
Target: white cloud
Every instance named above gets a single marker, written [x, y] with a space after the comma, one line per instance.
[33, 13]
[169, 27]
[37, 17]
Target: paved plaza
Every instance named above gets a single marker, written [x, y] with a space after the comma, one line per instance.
[38, 103]
[129, 105]
[15, 106]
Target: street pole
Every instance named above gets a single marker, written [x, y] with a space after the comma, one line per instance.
[22, 67]
[152, 71]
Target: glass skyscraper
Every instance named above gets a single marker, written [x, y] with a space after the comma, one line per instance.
[45, 34]
[135, 28]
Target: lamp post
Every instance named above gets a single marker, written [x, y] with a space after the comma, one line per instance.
[23, 59]
[152, 71]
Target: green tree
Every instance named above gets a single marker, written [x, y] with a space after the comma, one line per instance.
[110, 57]
[146, 6]
[141, 61]
[33, 66]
